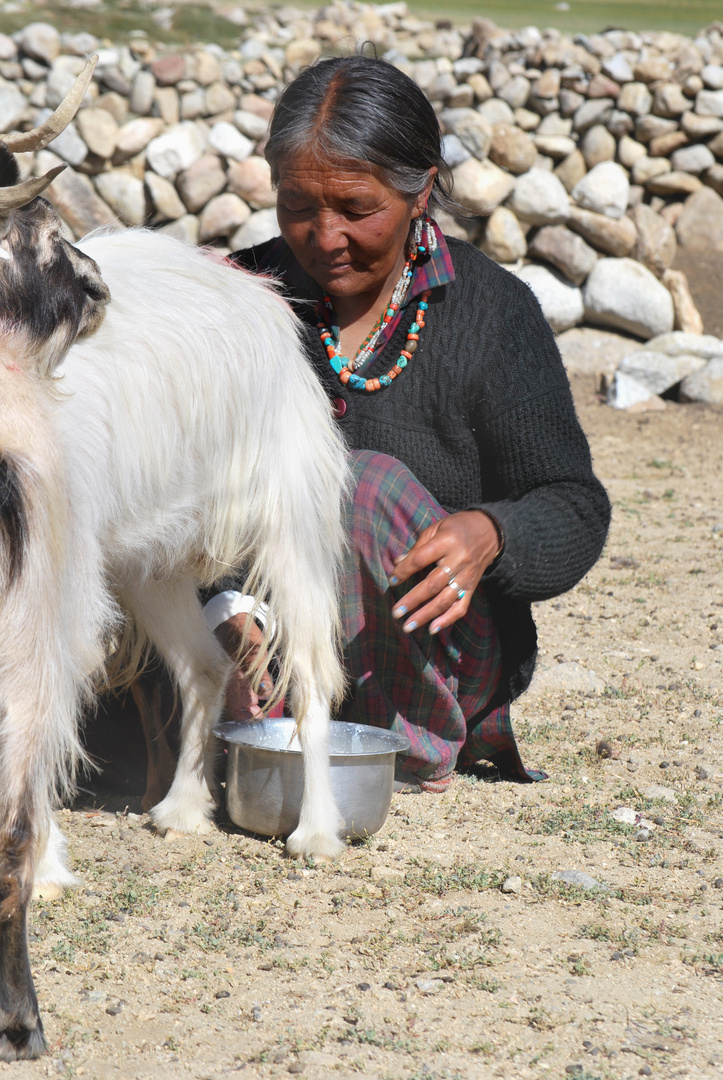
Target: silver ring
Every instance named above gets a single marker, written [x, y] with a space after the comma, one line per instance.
[452, 584]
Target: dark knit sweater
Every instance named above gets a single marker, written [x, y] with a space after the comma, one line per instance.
[483, 416]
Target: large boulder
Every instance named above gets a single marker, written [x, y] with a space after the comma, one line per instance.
[504, 240]
[472, 129]
[657, 371]
[560, 301]
[259, 228]
[656, 245]
[481, 186]
[179, 147]
[512, 149]
[540, 198]
[705, 385]
[624, 294]
[125, 194]
[566, 251]
[611, 236]
[678, 343]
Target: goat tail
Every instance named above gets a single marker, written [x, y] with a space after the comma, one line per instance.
[13, 519]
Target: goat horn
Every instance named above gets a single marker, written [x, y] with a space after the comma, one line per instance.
[40, 136]
[12, 198]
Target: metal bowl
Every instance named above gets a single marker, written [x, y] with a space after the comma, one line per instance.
[265, 781]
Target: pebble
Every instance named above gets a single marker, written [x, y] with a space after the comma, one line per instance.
[512, 884]
[429, 986]
[577, 878]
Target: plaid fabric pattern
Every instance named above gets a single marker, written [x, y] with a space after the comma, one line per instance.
[432, 688]
[435, 270]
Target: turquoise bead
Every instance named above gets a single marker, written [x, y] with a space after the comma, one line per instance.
[390, 313]
[385, 380]
[357, 383]
[402, 361]
[422, 305]
[414, 328]
[336, 363]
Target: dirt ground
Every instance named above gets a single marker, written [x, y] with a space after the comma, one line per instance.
[406, 960]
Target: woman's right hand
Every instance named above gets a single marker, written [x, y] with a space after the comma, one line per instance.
[242, 701]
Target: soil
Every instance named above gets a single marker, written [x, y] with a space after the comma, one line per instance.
[408, 960]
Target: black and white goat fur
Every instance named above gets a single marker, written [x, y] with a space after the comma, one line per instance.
[184, 436]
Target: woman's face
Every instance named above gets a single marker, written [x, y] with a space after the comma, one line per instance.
[347, 229]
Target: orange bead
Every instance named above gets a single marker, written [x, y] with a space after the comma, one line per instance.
[372, 384]
[396, 370]
[407, 354]
[412, 337]
[344, 375]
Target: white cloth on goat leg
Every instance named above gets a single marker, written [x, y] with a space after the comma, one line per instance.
[226, 604]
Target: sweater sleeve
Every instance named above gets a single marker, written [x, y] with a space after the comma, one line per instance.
[551, 509]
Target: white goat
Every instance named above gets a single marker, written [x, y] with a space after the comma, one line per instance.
[184, 437]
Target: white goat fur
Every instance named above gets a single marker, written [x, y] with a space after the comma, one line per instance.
[186, 436]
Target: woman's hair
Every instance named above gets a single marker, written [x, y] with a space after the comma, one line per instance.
[359, 109]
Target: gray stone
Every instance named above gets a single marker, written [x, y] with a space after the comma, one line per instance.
[249, 124]
[193, 104]
[592, 112]
[604, 190]
[227, 140]
[135, 136]
[587, 350]
[674, 184]
[251, 181]
[578, 878]
[222, 216]
[692, 159]
[677, 343]
[165, 198]
[540, 198]
[700, 225]
[647, 168]
[554, 146]
[656, 244]
[624, 294]
[713, 178]
[13, 107]
[75, 198]
[512, 149]
[41, 41]
[630, 151]
[555, 125]
[166, 103]
[611, 236]
[453, 152]
[655, 791]
[571, 170]
[219, 99]
[429, 986]
[176, 149]
[566, 251]
[68, 145]
[512, 884]
[669, 100]
[625, 392]
[618, 67]
[709, 103]
[597, 145]
[700, 127]
[705, 385]
[560, 301]
[472, 129]
[142, 93]
[627, 816]
[98, 130]
[259, 228]
[635, 99]
[620, 123]
[496, 111]
[199, 183]
[515, 91]
[481, 186]
[8, 48]
[657, 371]
[504, 240]
[184, 229]
[651, 127]
[125, 194]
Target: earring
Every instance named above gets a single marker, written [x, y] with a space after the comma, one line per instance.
[417, 230]
[431, 234]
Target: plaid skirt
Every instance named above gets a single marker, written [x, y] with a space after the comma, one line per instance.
[433, 688]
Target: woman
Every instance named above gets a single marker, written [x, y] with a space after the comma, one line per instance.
[475, 494]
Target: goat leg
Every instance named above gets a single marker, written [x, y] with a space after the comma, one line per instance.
[146, 692]
[21, 1030]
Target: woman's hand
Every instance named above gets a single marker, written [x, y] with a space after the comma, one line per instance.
[461, 547]
[242, 701]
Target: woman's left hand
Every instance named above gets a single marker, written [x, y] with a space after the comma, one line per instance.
[461, 547]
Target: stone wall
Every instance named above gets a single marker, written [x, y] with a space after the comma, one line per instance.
[582, 162]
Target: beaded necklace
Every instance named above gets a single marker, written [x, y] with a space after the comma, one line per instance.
[344, 367]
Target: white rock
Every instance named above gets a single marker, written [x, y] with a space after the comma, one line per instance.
[587, 350]
[709, 103]
[453, 151]
[98, 130]
[569, 676]
[692, 159]
[578, 878]
[712, 76]
[540, 198]
[627, 816]
[259, 228]
[560, 301]
[657, 371]
[604, 190]
[135, 136]
[13, 106]
[164, 197]
[656, 791]
[228, 140]
[481, 186]
[496, 111]
[678, 343]
[625, 392]
[512, 884]
[473, 130]
[504, 240]
[124, 194]
[624, 294]
[222, 216]
[40, 41]
[249, 124]
[176, 149]
[617, 67]
[705, 385]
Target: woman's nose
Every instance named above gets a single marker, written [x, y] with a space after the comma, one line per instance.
[328, 234]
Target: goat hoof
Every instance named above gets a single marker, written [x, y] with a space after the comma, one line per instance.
[22, 1044]
[321, 848]
[49, 890]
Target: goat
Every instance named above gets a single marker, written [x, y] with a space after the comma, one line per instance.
[148, 445]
